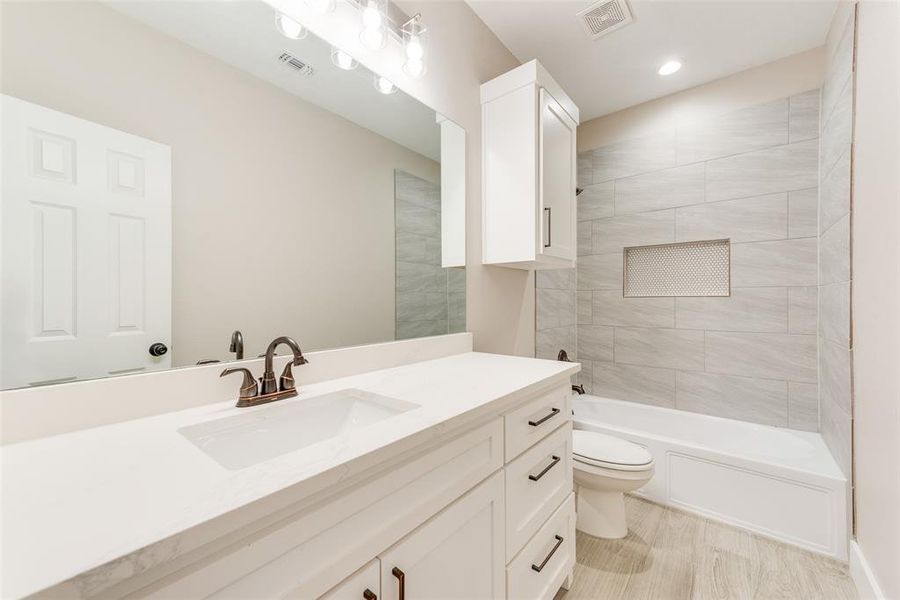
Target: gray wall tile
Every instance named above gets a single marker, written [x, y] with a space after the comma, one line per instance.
[834, 374]
[838, 129]
[748, 399]
[839, 70]
[646, 385]
[415, 190]
[555, 308]
[669, 348]
[549, 342]
[417, 329]
[611, 308]
[456, 279]
[585, 168]
[585, 311]
[585, 238]
[803, 218]
[752, 128]
[803, 309]
[834, 253]
[834, 312]
[743, 220]
[414, 277]
[595, 342]
[836, 427]
[803, 406]
[456, 312]
[783, 263]
[416, 219]
[421, 306]
[778, 169]
[767, 355]
[600, 272]
[805, 116]
[596, 201]
[630, 157]
[660, 189]
[834, 200]
[585, 376]
[747, 309]
[555, 279]
[613, 234]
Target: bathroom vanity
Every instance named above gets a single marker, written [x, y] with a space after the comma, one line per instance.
[448, 477]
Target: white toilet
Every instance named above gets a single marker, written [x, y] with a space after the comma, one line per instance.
[605, 468]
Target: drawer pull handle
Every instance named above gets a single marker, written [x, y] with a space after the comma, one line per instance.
[553, 413]
[540, 567]
[401, 582]
[369, 595]
[547, 468]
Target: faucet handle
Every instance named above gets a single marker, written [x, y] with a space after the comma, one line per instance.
[249, 389]
[286, 381]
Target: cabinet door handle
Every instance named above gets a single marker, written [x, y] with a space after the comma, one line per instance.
[547, 468]
[553, 413]
[369, 595]
[401, 582]
[549, 227]
[540, 567]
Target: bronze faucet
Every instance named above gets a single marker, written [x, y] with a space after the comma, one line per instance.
[268, 390]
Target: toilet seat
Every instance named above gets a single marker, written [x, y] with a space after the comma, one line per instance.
[608, 452]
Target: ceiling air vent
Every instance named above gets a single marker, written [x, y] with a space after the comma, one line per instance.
[295, 63]
[604, 17]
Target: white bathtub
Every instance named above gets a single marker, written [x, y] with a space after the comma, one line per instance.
[777, 482]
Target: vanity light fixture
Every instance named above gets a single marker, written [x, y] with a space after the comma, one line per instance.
[289, 28]
[384, 85]
[374, 33]
[342, 60]
[669, 67]
[320, 7]
[413, 32]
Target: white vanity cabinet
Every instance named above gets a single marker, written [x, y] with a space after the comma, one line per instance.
[529, 163]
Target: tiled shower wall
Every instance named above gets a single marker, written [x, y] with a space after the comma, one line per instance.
[750, 176]
[430, 300]
[834, 248]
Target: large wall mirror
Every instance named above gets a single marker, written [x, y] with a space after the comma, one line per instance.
[173, 172]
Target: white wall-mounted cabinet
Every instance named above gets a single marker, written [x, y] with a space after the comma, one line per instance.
[528, 171]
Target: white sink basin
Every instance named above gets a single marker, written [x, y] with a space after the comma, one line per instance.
[263, 433]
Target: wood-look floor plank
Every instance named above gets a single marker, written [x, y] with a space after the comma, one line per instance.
[672, 555]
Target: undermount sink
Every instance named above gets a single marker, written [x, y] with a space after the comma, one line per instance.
[258, 435]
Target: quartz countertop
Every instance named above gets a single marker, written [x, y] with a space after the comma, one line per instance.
[110, 501]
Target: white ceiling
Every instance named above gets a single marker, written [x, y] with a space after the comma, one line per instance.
[243, 34]
[712, 38]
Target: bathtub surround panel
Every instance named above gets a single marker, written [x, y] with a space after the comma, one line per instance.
[835, 215]
[750, 176]
[430, 299]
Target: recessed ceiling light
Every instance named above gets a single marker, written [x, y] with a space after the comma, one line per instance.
[670, 67]
[289, 28]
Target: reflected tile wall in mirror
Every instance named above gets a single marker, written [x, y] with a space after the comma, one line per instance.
[170, 178]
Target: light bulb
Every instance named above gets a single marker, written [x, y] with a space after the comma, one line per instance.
[414, 67]
[342, 60]
[320, 6]
[289, 28]
[371, 16]
[670, 67]
[384, 85]
[414, 49]
[373, 38]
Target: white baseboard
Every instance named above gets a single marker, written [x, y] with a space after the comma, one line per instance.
[862, 575]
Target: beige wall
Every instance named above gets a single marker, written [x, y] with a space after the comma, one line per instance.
[876, 291]
[778, 79]
[283, 216]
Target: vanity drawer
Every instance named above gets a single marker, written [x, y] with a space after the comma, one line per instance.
[355, 587]
[536, 483]
[549, 557]
[531, 422]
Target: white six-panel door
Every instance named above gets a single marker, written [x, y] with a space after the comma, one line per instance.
[87, 248]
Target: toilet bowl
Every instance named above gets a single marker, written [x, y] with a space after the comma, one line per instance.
[605, 468]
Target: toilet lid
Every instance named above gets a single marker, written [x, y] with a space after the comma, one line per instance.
[607, 451]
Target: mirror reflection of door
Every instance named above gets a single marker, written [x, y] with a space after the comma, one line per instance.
[86, 248]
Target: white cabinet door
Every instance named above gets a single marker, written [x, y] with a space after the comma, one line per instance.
[87, 248]
[365, 584]
[458, 554]
[557, 172]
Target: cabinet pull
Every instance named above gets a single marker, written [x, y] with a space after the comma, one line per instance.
[553, 413]
[369, 595]
[401, 582]
[549, 227]
[547, 558]
[547, 468]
